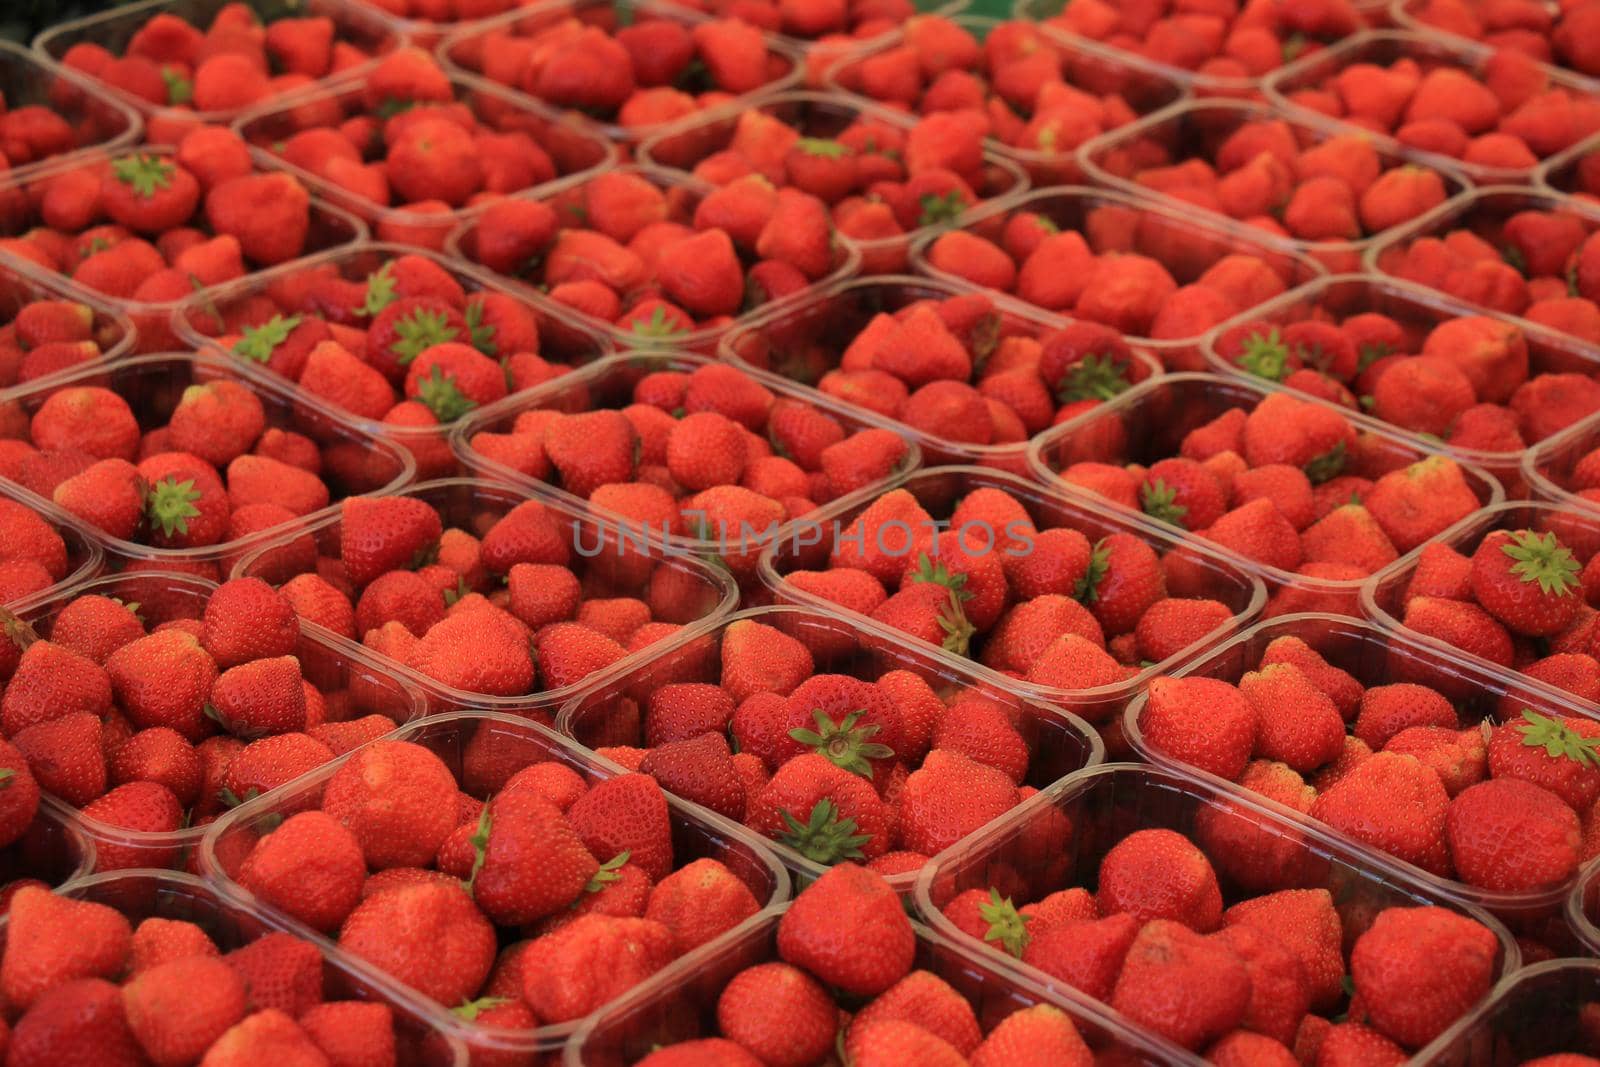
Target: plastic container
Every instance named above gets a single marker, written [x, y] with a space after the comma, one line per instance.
[354, 24]
[562, 339]
[608, 385]
[611, 714]
[53, 850]
[683, 146]
[462, 51]
[1548, 467]
[1564, 173]
[97, 119]
[84, 556]
[808, 338]
[1578, 529]
[1428, 51]
[1583, 908]
[576, 148]
[1198, 128]
[516, 742]
[608, 562]
[1148, 423]
[20, 212]
[1418, 311]
[680, 1004]
[163, 597]
[1542, 1010]
[683, 196]
[939, 489]
[1518, 33]
[1377, 655]
[1482, 212]
[1141, 85]
[145, 894]
[1184, 243]
[23, 282]
[354, 461]
[1105, 804]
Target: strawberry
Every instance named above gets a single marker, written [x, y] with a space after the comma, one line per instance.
[1166, 957]
[1305, 739]
[1416, 970]
[1159, 874]
[1201, 721]
[164, 679]
[1485, 816]
[778, 1012]
[1033, 1037]
[461, 942]
[627, 950]
[143, 807]
[847, 896]
[388, 795]
[177, 1010]
[1394, 803]
[949, 796]
[79, 1021]
[382, 534]
[699, 902]
[1526, 580]
[532, 862]
[246, 619]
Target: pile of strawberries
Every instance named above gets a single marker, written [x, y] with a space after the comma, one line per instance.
[469, 588]
[45, 330]
[1564, 36]
[546, 891]
[37, 552]
[46, 113]
[686, 448]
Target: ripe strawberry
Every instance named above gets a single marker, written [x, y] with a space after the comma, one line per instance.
[1124, 579]
[1183, 986]
[623, 951]
[50, 682]
[1555, 753]
[1465, 626]
[391, 795]
[699, 769]
[281, 973]
[948, 797]
[1509, 834]
[163, 680]
[758, 658]
[1296, 723]
[1037, 1036]
[177, 1010]
[246, 619]
[77, 1022]
[350, 1032]
[450, 953]
[378, 534]
[700, 902]
[1204, 722]
[1416, 970]
[1159, 874]
[66, 756]
[1526, 580]
[143, 807]
[1175, 624]
[310, 867]
[778, 1012]
[879, 952]
[1394, 803]
[626, 814]
[53, 940]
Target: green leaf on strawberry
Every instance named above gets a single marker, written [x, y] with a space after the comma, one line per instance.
[846, 745]
[1159, 501]
[1515, 259]
[1543, 559]
[480, 847]
[1327, 466]
[941, 207]
[393, 106]
[480, 333]
[438, 393]
[1087, 591]
[422, 329]
[657, 326]
[1295, 45]
[380, 290]
[821, 146]
[180, 90]
[1265, 356]
[826, 836]
[170, 505]
[1372, 351]
[257, 343]
[6, 774]
[937, 573]
[147, 174]
[1558, 742]
[1008, 927]
[1095, 377]
[470, 1010]
[606, 874]
[958, 632]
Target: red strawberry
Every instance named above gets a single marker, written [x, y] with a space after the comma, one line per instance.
[378, 534]
[311, 867]
[1416, 970]
[1394, 803]
[1509, 834]
[1183, 986]
[77, 1022]
[1200, 721]
[878, 952]
[429, 936]
[177, 1010]
[1526, 580]
[1159, 874]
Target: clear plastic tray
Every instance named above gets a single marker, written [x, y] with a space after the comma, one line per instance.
[144, 894]
[696, 833]
[608, 385]
[97, 118]
[154, 384]
[1143, 86]
[1412, 15]
[1548, 466]
[462, 51]
[54, 849]
[683, 195]
[810, 335]
[1583, 908]
[577, 149]
[22, 282]
[1375, 654]
[611, 714]
[562, 338]
[1105, 804]
[681, 147]
[1427, 49]
[85, 559]
[165, 596]
[939, 489]
[1542, 1010]
[1196, 129]
[1418, 310]
[608, 563]
[1185, 243]
[1148, 422]
[1560, 173]
[680, 1003]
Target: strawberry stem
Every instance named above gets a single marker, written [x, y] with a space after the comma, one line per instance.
[1159, 501]
[845, 744]
[826, 836]
[1008, 927]
[1542, 559]
[170, 505]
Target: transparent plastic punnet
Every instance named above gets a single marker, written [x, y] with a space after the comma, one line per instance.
[1481, 214]
[1197, 129]
[1545, 1009]
[477, 50]
[164, 597]
[683, 146]
[608, 562]
[1551, 469]
[613, 713]
[1375, 655]
[200, 321]
[1427, 51]
[608, 384]
[23, 282]
[1142, 86]
[94, 118]
[353, 461]
[680, 1004]
[1186, 245]
[83, 558]
[54, 849]
[575, 148]
[354, 25]
[1583, 908]
[145, 894]
[937, 490]
[1575, 171]
[683, 195]
[1148, 424]
[1086, 814]
[474, 745]
[807, 338]
[1418, 311]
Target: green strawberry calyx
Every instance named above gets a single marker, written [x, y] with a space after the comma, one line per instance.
[380, 290]
[17, 630]
[1095, 377]
[180, 90]
[418, 331]
[479, 332]
[471, 1009]
[958, 631]
[941, 207]
[826, 836]
[657, 325]
[170, 505]
[480, 847]
[1008, 927]
[1327, 466]
[937, 573]
[607, 874]
[257, 343]
[1087, 590]
[845, 744]
[1160, 501]
[6, 775]
[1372, 351]
[1558, 740]
[1265, 356]
[1543, 559]
[145, 173]
[438, 393]
[821, 146]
